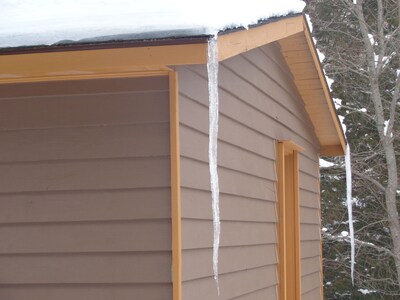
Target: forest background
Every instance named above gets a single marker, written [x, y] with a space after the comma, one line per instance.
[360, 40]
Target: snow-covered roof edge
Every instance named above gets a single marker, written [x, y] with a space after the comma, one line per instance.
[107, 60]
[152, 38]
[47, 22]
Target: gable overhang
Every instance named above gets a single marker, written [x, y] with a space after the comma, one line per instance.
[153, 57]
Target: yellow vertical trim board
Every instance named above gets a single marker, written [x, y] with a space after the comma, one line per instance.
[282, 228]
[175, 188]
[289, 221]
[296, 226]
[320, 226]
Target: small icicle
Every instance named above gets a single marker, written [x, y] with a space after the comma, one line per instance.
[212, 70]
[350, 209]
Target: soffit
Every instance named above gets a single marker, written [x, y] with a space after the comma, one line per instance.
[301, 57]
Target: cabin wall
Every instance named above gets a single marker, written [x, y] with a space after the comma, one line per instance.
[258, 106]
[85, 190]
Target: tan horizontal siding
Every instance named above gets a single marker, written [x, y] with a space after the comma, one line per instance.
[266, 59]
[93, 142]
[194, 115]
[275, 56]
[309, 164]
[87, 291]
[310, 232]
[194, 173]
[70, 268]
[85, 237]
[196, 205]
[199, 233]
[66, 111]
[263, 87]
[244, 79]
[310, 266]
[312, 294]
[232, 259]
[309, 199]
[310, 248]
[85, 175]
[309, 182]
[269, 293]
[85, 196]
[234, 157]
[310, 282]
[231, 285]
[64, 206]
[309, 216]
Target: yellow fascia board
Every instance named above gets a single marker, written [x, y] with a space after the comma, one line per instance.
[234, 43]
[99, 63]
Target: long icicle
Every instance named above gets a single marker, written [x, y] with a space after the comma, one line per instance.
[212, 70]
[350, 208]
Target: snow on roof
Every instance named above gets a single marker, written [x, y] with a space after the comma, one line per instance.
[46, 22]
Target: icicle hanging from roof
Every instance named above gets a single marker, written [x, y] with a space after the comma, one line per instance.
[212, 70]
[350, 208]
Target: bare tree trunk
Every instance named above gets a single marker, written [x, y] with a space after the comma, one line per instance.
[386, 139]
[390, 197]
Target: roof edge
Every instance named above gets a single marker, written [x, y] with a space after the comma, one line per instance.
[236, 42]
[325, 88]
[114, 44]
[135, 40]
[121, 59]
[66, 61]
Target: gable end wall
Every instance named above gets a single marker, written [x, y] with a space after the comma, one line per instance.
[258, 106]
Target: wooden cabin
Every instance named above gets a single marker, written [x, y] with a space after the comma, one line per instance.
[104, 182]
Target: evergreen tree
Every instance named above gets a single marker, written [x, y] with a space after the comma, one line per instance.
[360, 41]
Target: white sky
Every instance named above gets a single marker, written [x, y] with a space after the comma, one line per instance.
[33, 22]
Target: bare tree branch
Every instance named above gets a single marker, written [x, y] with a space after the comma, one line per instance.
[370, 179]
[359, 243]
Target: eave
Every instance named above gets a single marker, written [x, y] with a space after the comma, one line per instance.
[302, 58]
[154, 56]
